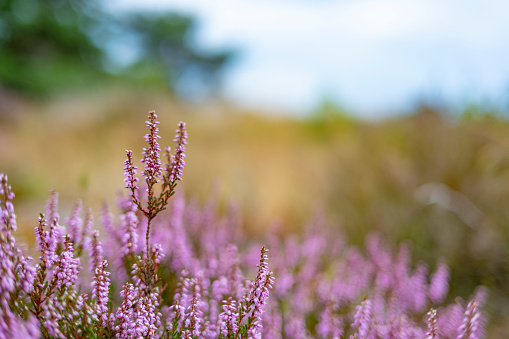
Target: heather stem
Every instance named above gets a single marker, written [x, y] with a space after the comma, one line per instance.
[148, 236]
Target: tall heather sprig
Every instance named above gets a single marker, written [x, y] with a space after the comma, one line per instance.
[153, 171]
[129, 234]
[473, 320]
[330, 325]
[439, 285]
[67, 267]
[257, 297]
[127, 328]
[145, 268]
[175, 170]
[100, 291]
[88, 225]
[228, 318]
[362, 319]
[177, 310]
[138, 315]
[75, 224]
[130, 171]
[95, 250]
[16, 274]
[46, 242]
[193, 319]
[432, 325]
[53, 217]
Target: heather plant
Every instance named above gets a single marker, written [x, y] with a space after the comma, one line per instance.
[326, 288]
[191, 283]
[57, 299]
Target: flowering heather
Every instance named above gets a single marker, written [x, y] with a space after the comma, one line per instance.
[168, 268]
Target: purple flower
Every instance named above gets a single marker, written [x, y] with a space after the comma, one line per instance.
[439, 285]
[13, 326]
[129, 234]
[138, 316]
[272, 328]
[177, 162]
[258, 296]
[418, 288]
[329, 325]
[75, 224]
[107, 219]
[7, 277]
[87, 227]
[362, 319]
[7, 215]
[25, 273]
[432, 325]
[100, 291]
[67, 267]
[125, 313]
[182, 255]
[152, 170]
[46, 242]
[177, 310]
[449, 320]
[228, 318]
[16, 274]
[193, 318]
[94, 248]
[130, 172]
[233, 274]
[472, 326]
[149, 315]
[295, 327]
[53, 217]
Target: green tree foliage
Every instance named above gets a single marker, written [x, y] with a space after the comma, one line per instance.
[50, 45]
[45, 46]
[167, 54]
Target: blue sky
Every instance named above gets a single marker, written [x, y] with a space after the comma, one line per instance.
[371, 56]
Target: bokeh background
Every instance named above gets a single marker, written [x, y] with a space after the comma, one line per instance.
[387, 116]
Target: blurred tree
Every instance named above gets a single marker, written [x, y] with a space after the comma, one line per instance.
[50, 45]
[44, 45]
[164, 43]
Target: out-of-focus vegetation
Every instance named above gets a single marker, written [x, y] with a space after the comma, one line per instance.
[51, 46]
[439, 182]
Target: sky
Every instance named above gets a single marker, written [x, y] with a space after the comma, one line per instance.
[370, 56]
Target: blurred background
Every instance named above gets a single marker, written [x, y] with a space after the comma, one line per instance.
[386, 115]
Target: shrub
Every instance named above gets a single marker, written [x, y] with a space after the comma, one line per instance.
[191, 283]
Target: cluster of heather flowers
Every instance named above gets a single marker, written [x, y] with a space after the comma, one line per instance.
[346, 292]
[169, 268]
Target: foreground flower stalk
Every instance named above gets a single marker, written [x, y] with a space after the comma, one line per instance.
[153, 171]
